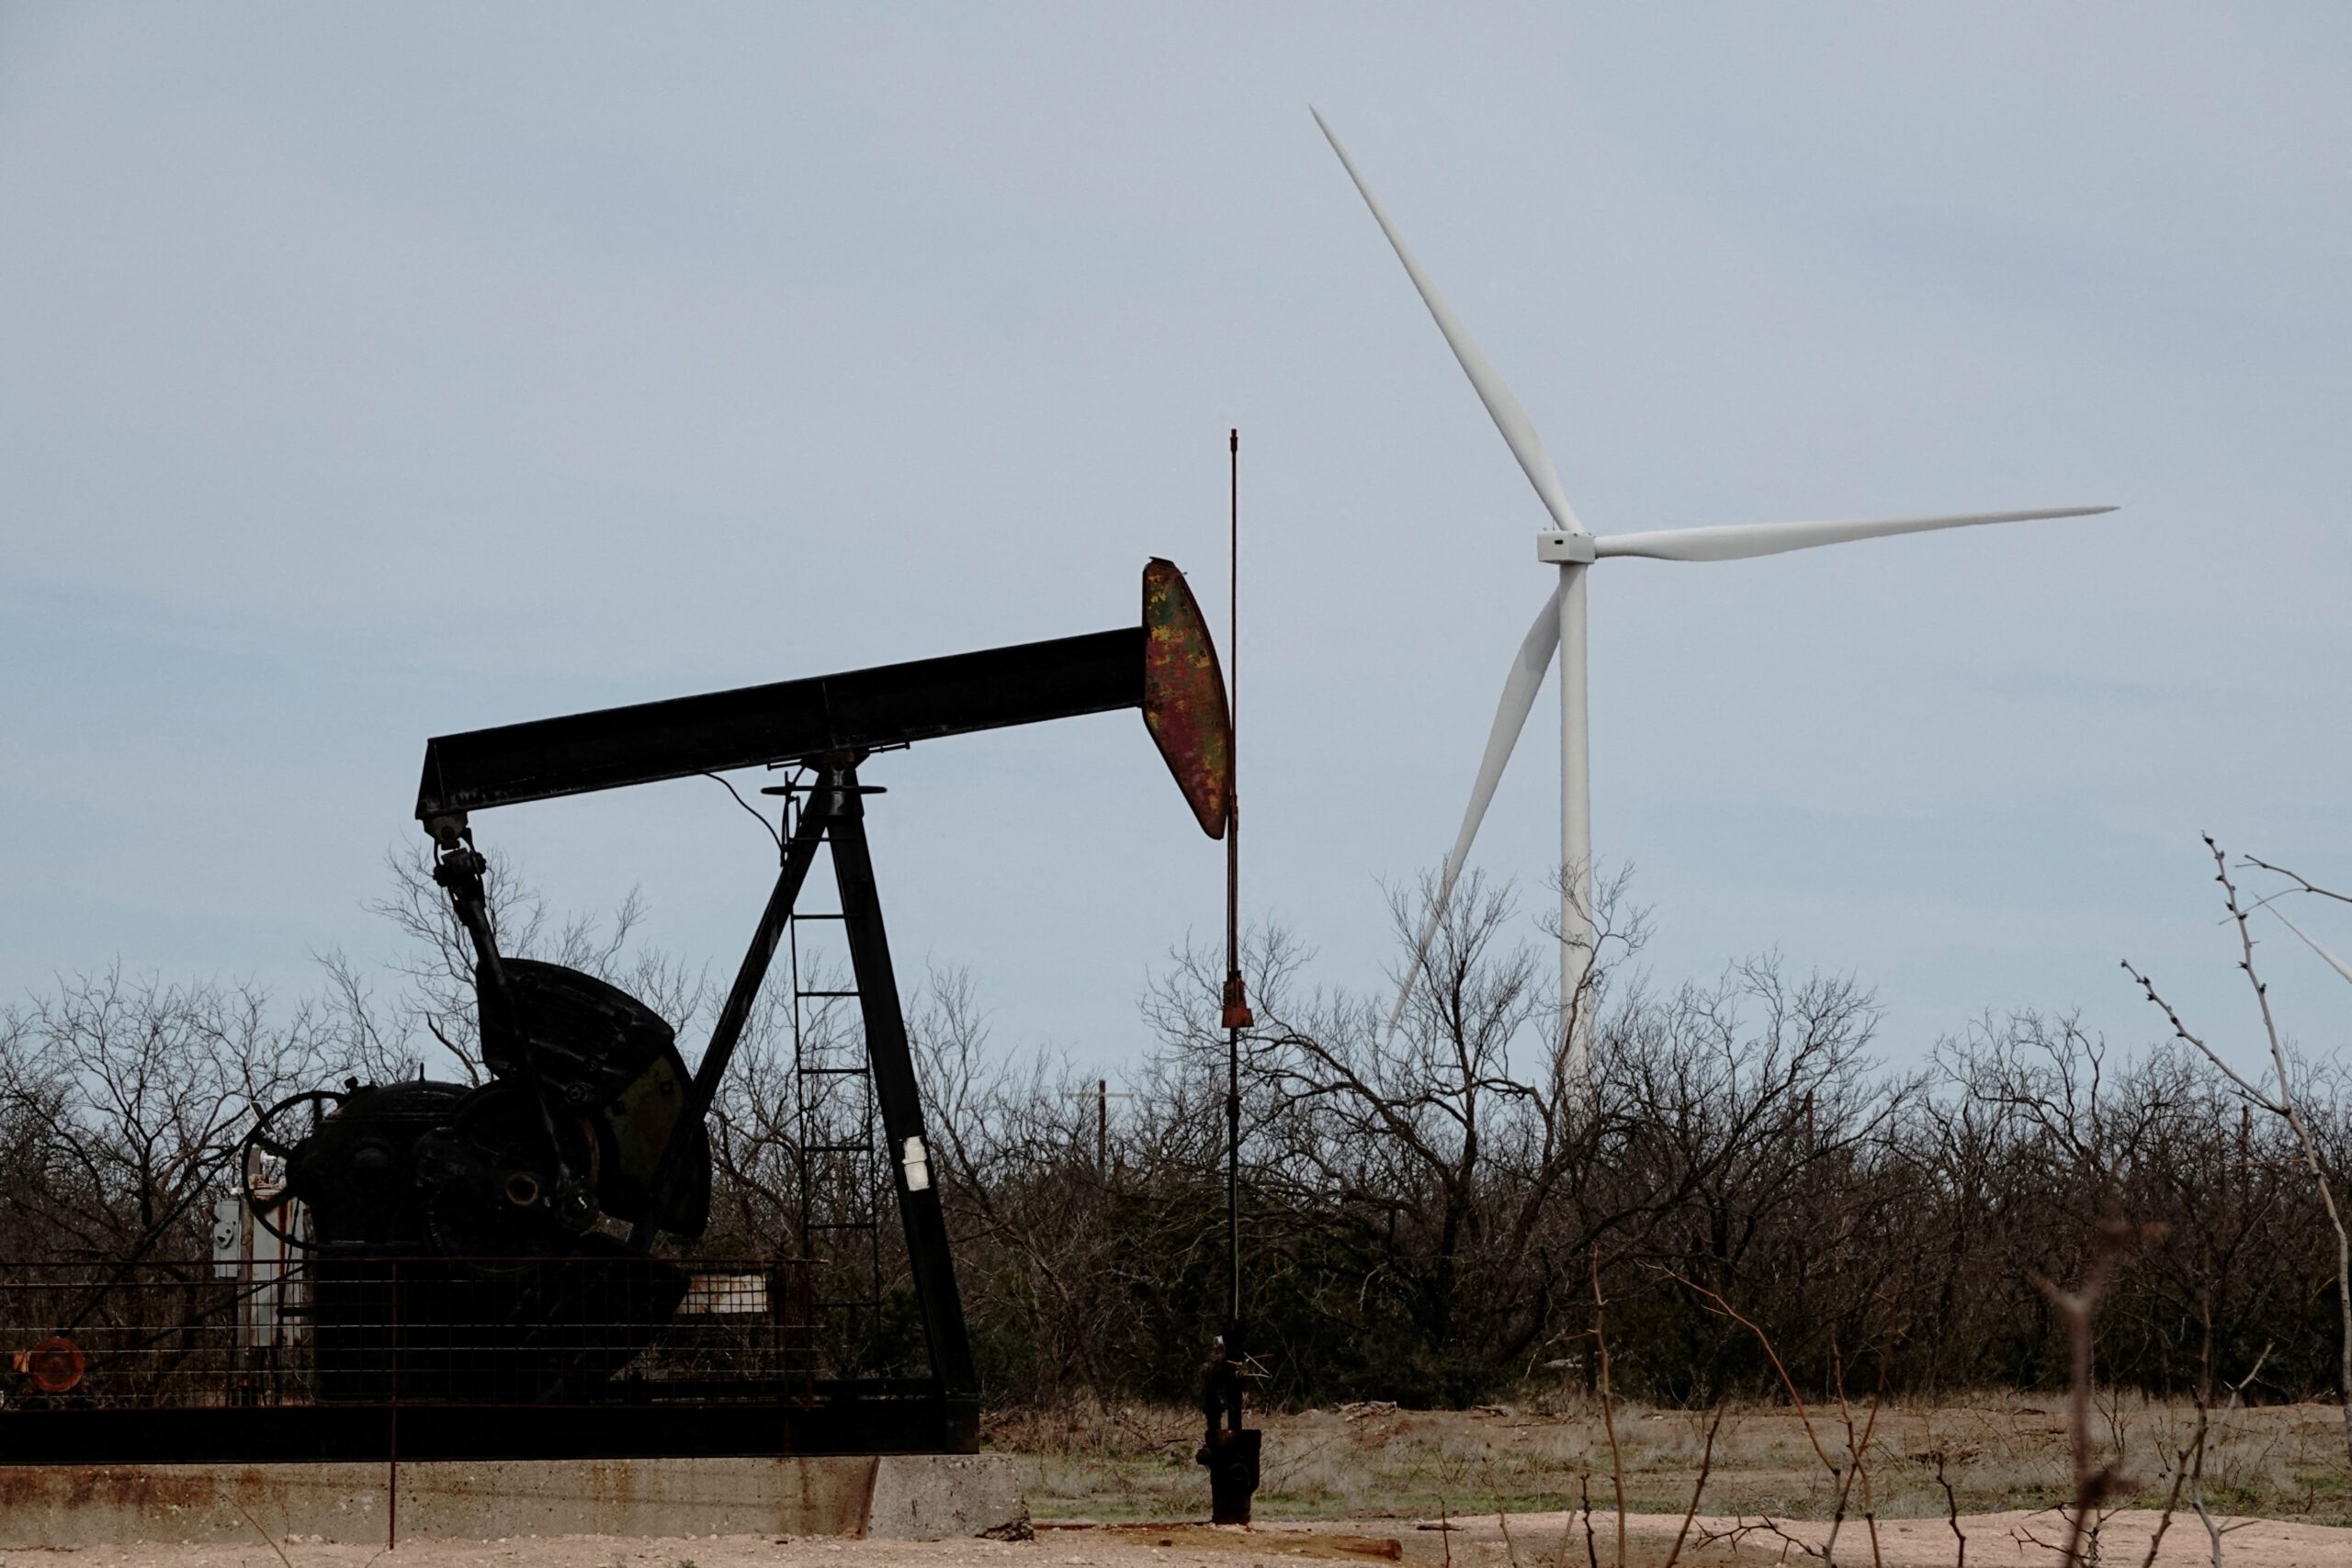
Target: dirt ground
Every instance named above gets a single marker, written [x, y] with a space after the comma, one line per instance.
[1534, 1541]
[1112, 1488]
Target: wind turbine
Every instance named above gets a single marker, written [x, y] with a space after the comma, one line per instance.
[1559, 632]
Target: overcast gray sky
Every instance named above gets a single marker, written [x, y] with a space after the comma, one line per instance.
[371, 374]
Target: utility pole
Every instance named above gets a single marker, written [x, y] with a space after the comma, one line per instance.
[1102, 1097]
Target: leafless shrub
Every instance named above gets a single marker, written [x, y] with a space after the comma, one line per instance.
[121, 1099]
[1435, 1215]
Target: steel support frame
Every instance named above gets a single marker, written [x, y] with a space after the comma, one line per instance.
[834, 816]
[896, 1091]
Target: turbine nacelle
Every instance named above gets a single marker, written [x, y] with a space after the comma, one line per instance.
[1556, 546]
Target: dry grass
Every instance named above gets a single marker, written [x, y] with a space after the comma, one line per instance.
[1999, 1452]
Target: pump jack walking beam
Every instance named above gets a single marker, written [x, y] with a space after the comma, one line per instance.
[855, 710]
[1167, 666]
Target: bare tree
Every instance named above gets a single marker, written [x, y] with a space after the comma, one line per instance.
[1429, 1213]
[125, 1098]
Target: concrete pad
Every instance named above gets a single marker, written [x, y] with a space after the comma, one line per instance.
[905, 1497]
[61, 1506]
[944, 1496]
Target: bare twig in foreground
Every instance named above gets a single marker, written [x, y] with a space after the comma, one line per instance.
[1609, 1408]
[2172, 1498]
[1952, 1512]
[1706, 1463]
[2303, 884]
[2215, 1530]
[2195, 1448]
[1857, 1448]
[265, 1535]
[2282, 1105]
[2092, 1482]
[1805, 1416]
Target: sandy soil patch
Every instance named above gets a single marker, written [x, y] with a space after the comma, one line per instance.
[1534, 1541]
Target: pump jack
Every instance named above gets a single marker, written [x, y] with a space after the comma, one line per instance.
[461, 1221]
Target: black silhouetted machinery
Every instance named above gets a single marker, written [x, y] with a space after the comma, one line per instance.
[479, 1261]
[510, 1205]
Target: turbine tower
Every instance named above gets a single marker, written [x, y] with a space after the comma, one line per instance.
[1559, 633]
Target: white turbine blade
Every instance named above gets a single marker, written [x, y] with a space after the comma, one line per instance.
[1520, 687]
[1738, 541]
[2335, 962]
[1508, 417]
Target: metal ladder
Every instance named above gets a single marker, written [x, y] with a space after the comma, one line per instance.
[837, 1140]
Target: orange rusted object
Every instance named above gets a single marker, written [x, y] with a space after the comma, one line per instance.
[1237, 1013]
[1183, 695]
[53, 1366]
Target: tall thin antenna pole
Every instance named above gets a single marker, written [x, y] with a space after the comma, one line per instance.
[1237, 1004]
[1230, 1449]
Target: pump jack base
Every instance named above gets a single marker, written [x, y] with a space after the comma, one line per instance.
[888, 1497]
[1232, 1461]
[839, 1419]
